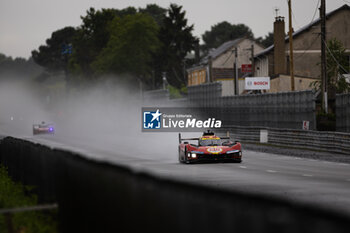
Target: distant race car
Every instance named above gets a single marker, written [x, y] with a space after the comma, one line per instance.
[43, 128]
[209, 148]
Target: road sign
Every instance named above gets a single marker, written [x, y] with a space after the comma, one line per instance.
[306, 125]
[66, 49]
[246, 68]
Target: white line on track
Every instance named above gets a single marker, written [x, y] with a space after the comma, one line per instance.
[271, 171]
[242, 166]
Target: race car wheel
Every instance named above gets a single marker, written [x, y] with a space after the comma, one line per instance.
[185, 157]
[179, 152]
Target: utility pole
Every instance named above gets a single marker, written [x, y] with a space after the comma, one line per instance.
[291, 60]
[252, 57]
[236, 72]
[323, 56]
[210, 79]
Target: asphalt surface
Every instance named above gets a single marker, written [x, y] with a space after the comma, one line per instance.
[297, 179]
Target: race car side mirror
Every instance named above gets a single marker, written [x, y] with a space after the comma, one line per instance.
[185, 142]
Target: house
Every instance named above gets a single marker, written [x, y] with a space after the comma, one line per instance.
[218, 65]
[273, 62]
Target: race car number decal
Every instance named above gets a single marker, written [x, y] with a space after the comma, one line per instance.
[214, 150]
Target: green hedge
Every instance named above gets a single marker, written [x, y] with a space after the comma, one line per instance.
[14, 195]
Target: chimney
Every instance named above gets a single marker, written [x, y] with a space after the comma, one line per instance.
[279, 46]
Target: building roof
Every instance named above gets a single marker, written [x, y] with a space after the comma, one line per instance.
[220, 50]
[214, 53]
[305, 28]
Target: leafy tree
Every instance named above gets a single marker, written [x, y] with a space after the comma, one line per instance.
[157, 12]
[337, 66]
[92, 36]
[50, 55]
[129, 51]
[222, 32]
[177, 40]
[267, 40]
[18, 68]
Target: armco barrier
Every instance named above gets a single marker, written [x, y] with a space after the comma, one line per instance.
[336, 142]
[100, 197]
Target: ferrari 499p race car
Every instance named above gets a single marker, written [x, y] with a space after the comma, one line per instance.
[209, 148]
[43, 128]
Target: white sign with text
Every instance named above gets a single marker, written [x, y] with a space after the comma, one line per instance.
[257, 83]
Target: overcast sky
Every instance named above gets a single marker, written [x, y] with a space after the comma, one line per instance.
[26, 24]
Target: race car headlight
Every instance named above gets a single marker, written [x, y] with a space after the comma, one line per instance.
[232, 151]
[193, 155]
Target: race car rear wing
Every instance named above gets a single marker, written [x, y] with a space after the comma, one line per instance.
[193, 139]
[186, 139]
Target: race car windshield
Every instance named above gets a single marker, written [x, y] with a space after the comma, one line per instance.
[210, 142]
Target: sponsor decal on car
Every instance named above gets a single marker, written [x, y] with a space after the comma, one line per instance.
[210, 138]
[214, 150]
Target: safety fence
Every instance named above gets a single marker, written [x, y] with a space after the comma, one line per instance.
[334, 142]
[280, 110]
[343, 112]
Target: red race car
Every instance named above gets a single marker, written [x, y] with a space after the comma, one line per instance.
[209, 147]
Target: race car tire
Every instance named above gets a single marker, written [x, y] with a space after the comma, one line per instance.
[185, 156]
[179, 153]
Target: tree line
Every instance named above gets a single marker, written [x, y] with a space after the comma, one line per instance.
[16, 68]
[143, 44]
